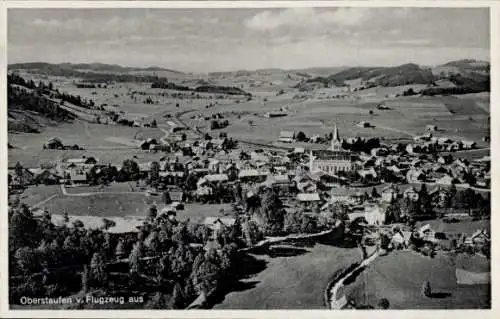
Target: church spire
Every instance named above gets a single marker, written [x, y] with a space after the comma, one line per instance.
[336, 142]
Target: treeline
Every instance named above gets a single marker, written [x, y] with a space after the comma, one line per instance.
[42, 89]
[67, 70]
[20, 98]
[169, 86]
[231, 90]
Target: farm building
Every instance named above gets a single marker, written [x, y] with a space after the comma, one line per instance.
[468, 144]
[26, 177]
[383, 107]
[286, 137]
[363, 124]
[218, 223]
[78, 178]
[82, 161]
[54, 143]
[46, 177]
[275, 114]
[431, 127]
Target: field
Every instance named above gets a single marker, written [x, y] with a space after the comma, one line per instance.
[111, 205]
[388, 277]
[105, 156]
[407, 117]
[296, 282]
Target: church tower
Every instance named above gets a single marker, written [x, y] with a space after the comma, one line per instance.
[336, 142]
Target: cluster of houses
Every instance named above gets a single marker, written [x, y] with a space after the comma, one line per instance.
[206, 171]
[427, 143]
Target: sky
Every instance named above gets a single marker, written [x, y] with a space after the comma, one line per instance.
[207, 40]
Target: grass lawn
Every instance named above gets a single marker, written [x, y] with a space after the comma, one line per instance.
[296, 282]
[399, 277]
[104, 205]
[35, 194]
[35, 158]
[111, 205]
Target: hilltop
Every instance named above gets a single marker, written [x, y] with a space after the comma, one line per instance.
[84, 67]
[467, 73]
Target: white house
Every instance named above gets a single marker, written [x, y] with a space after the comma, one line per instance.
[374, 215]
[286, 137]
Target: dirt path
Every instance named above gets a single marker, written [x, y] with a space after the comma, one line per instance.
[338, 303]
[44, 201]
[387, 128]
[164, 138]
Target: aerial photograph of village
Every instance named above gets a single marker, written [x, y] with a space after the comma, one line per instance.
[249, 158]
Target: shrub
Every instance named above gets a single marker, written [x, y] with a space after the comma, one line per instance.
[426, 289]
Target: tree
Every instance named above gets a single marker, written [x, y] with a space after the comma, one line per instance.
[375, 193]
[85, 279]
[98, 276]
[19, 174]
[292, 222]
[154, 124]
[301, 137]
[159, 301]
[166, 198]
[177, 300]
[383, 303]
[120, 249]
[134, 258]
[152, 212]
[425, 201]
[130, 170]
[271, 213]
[426, 289]
[154, 174]
[107, 223]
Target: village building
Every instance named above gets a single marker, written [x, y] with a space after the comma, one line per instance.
[445, 180]
[479, 237]
[375, 215]
[439, 196]
[286, 137]
[411, 193]
[308, 200]
[252, 175]
[78, 177]
[331, 161]
[415, 176]
[389, 193]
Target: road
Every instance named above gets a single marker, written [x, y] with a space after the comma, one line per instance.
[338, 303]
[164, 138]
[387, 128]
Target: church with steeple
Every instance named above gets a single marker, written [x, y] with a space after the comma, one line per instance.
[332, 160]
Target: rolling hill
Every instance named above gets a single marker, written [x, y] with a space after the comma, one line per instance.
[469, 75]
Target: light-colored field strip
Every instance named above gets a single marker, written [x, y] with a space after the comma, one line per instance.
[86, 194]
